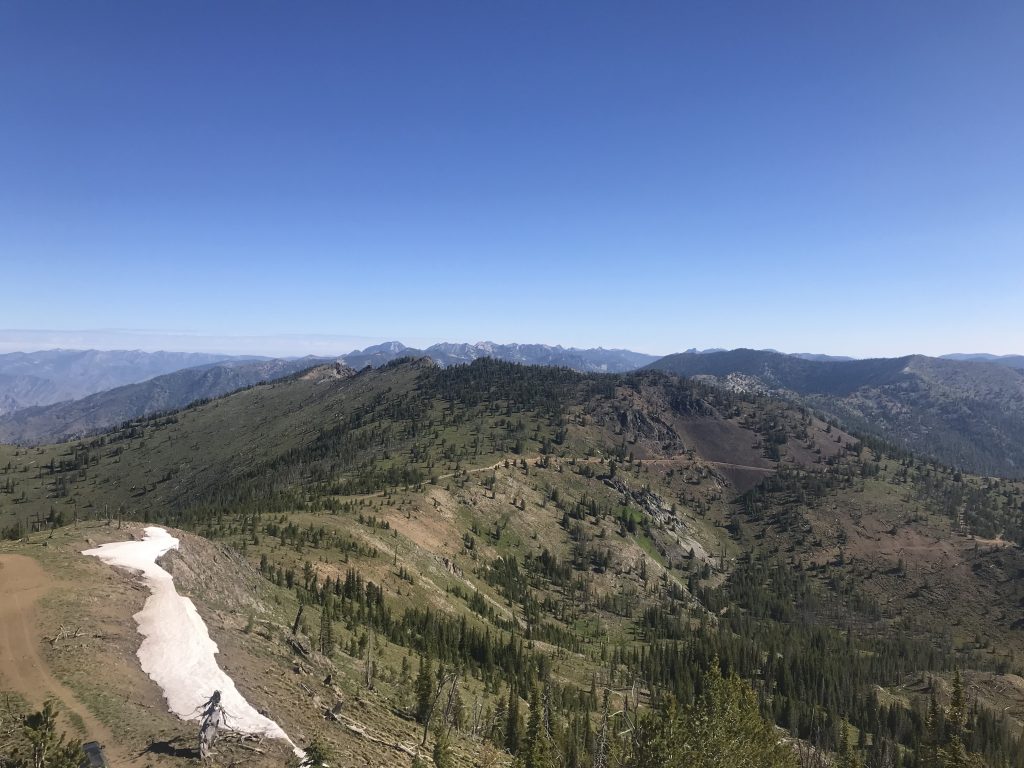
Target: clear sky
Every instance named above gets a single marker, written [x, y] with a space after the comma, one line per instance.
[811, 176]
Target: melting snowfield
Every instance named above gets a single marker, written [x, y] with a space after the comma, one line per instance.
[176, 651]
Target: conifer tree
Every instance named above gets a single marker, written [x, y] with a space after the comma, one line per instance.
[45, 748]
[512, 722]
[535, 743]
[954, 754]
[928, 752]
[424, 690]
[723, 727]
[327, 627]
[442, 753]
[497, 726]
[848, 757]
[318, 753]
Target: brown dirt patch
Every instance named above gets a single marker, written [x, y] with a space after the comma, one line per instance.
[723, 441]
[22, 667]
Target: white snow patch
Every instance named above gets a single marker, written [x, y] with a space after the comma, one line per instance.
[177, 651]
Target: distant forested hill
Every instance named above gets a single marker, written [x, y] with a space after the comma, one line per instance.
[58, 380]
[54, 375]
[103, 410]
[969, 414]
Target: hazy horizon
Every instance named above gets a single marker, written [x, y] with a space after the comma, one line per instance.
[328, 345]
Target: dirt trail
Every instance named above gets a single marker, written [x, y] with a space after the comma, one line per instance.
[766, 470]
[22, 667]
[579, 460]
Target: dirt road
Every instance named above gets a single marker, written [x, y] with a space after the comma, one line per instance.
[22, 666]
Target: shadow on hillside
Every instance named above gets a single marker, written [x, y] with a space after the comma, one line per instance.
[171, 749]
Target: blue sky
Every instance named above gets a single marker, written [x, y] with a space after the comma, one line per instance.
[831, 177]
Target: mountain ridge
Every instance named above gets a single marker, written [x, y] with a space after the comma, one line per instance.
[168, 392]
[51, 376]
[966, 413]
[590, 360]
[95, 411]
[1011, 361]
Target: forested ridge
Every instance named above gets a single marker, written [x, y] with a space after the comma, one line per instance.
[967, 414]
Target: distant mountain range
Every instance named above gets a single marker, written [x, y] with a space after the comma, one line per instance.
[171, 391]
[802, 355]
[965, 409]
[583, 360]
[967, 413]
[53, 375]
[1010, 361]
[71, 393]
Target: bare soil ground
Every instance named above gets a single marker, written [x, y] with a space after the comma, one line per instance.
[723, 441]
[22, 667]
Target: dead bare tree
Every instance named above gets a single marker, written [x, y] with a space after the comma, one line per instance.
[213, 717]
[452, 692]
[477, 718]
[64, 634]
[369, 662]
[809, 757]
[445, 679]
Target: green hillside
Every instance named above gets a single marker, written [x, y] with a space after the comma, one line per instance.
[582, 554]
[100, 411]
